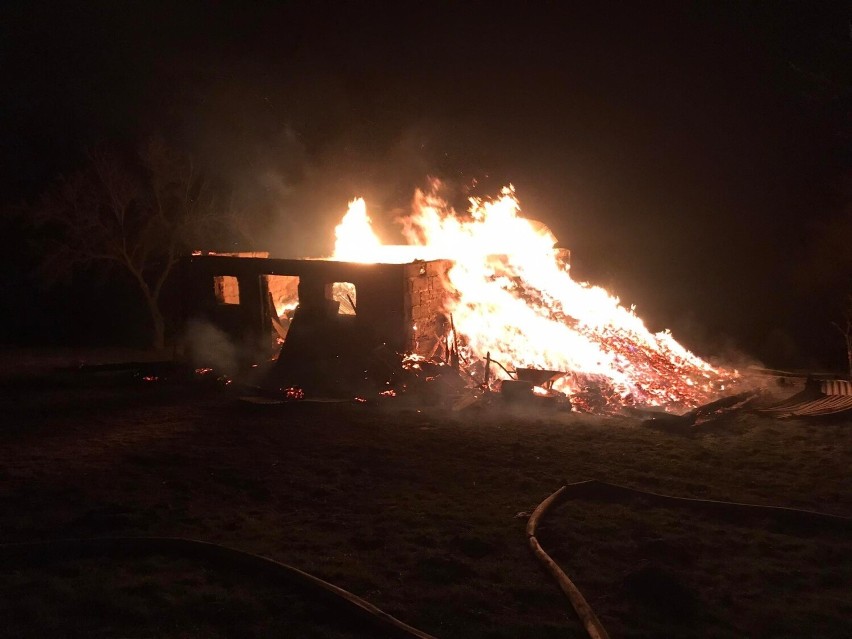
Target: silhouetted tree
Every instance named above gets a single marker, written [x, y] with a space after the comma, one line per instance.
[138, 215]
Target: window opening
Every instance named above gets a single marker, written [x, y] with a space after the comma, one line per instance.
[344, 294]
[226, 289]
[283, 301]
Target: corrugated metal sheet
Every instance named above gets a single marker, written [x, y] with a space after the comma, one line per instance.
[833, 396]
[836, 387]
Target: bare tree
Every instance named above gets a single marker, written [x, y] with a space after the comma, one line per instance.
[138, 216]
[845, 329]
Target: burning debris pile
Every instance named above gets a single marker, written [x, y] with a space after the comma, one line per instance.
[511, 305]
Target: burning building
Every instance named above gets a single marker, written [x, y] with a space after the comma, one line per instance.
[328, 317]
[488, 291]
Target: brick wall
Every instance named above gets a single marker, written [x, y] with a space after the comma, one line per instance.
[425, 298]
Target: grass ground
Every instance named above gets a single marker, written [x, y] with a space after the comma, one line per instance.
[415, 510]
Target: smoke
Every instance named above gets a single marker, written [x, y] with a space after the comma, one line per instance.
[293, 154]
[303, 211]
[210, 347]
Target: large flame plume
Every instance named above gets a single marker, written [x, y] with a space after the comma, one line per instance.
[515, 299]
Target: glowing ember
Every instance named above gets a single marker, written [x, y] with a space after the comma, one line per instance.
[293, 393]
[515, 298]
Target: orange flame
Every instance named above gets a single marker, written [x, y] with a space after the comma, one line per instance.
[515, 299]
[355, 239]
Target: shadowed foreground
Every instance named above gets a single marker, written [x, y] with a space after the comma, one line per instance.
[416, 511]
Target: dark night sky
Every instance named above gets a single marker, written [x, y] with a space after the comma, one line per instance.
[687, 154]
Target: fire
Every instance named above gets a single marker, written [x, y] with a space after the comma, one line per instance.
[284, 305]
[355, 239]
[514, 298]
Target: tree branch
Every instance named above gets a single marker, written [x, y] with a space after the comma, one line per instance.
[140, 216]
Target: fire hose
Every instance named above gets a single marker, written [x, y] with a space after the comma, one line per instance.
[389, 626]
[61, 549]
[594, 489]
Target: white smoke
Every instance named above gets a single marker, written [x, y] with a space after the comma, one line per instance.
[209, 346]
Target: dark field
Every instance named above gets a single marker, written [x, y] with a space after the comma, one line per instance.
[417, 512]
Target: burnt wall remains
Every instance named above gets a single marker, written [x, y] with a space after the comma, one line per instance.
[425, 303]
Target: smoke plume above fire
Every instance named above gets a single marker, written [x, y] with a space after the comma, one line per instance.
[513, 297]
